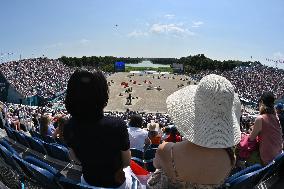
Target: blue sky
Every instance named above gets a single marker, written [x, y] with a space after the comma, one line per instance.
[220, 29]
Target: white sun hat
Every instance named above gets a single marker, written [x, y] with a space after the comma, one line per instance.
[207, 114]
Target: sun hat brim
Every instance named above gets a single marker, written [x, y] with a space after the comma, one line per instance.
[201, 126]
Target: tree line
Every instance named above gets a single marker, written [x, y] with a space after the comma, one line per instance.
[191, 64]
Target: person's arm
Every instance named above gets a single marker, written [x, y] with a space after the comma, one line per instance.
[124, 145]
[157, 160]
[55, 133]
[147, 143]
[256, 128]
[126, 157]
[73, 156]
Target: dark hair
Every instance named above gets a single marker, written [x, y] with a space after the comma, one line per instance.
[167, 130]
[136, 121]
[267, 106]
[87, 94]
[174, 132]
[44, 122]
[61, 122]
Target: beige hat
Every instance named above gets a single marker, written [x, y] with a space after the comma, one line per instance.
[153, 126]
[207, 114]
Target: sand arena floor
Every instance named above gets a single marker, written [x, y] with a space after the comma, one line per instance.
[144, 100]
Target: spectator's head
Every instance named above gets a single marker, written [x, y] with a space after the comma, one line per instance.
[136, 121]
[44, 122]
[279, 107]
[167, 130]
[266, 103]
[173, 131]
[207, 114]
[87, 94]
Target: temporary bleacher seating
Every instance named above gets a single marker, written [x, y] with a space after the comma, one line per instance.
[21, 138]
[36, 170]
[39, 163]
[137, 156]
[144, 159]
[39, 174]
[243, 172]
[36, 145]
[278, 166]
[35, 134]
[9, 132]
[7, 146]
[6, 156]
[149, 156]
[57, 151]
[48, 139]
[254, 178]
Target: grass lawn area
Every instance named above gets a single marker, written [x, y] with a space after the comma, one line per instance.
[160, 69]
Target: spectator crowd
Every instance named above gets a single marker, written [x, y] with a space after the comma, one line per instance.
[38, 76]
[203, 124]
[251, 82]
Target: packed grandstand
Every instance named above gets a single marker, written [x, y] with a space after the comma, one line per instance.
[36, 157]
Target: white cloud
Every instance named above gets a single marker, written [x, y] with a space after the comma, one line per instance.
[197, 24]
[169, 16]
[278, 55]
[84, 41]
[55, 45]
[137, 34]
[170, 29]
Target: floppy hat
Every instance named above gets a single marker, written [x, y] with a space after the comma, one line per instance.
[207, 114]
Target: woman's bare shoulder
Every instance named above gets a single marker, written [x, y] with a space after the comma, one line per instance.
[164, 147]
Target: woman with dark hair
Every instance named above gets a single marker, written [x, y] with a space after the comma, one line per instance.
[44, 126]
[58, 133]
[99, 142]
[268, 129]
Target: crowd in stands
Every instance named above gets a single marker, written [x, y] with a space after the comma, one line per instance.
[251, 82]
[38, 76]
[204, 124]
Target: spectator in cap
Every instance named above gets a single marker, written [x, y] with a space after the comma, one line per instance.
[153, 134]
[267, 127]
[280, 115]
[207, 116]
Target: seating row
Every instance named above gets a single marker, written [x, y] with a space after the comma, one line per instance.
[257, 176]
[32, 169]
[54, 150]
[144, 159]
